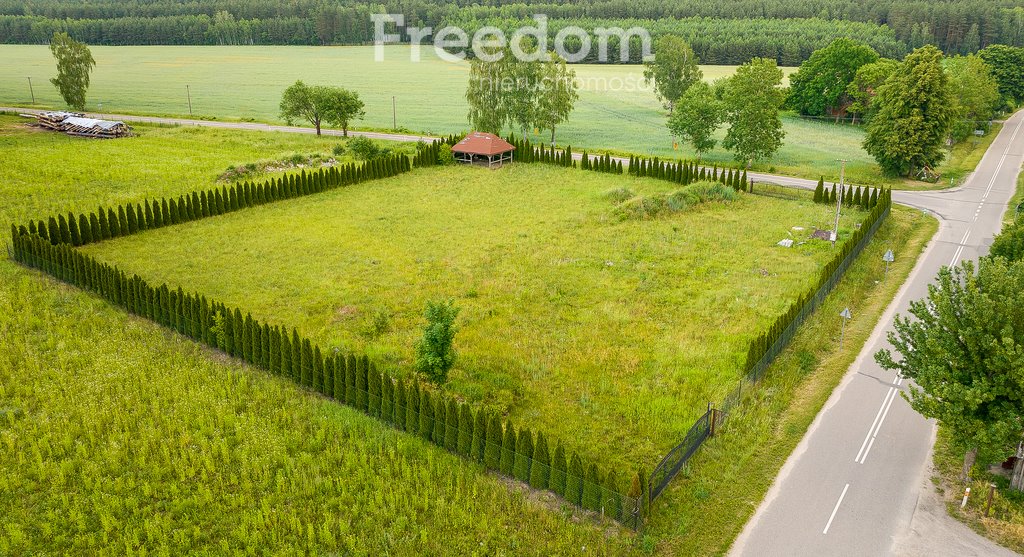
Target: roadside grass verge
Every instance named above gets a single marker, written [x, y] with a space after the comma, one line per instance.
[1005, 523]
[960, 161]
[1011, 209]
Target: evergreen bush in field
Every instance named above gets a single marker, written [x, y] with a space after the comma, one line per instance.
[362, 389]
[426, 425]
[350, 380]
[591, 498]
[541, 469]
[387, 398]
[399, 409]
[318, 370]
[523, 456]
[819, 191]
[412, 411]
[440, 421]
[451, 427]
[508, 450]
[286, 355]
[478, 443]
[493, 443]
[373, 388]
[465, 430]
[574, 480]
[611, 501]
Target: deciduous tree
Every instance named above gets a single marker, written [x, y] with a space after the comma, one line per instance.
[821, 84]
[752, 101]
[915, 112]
[74, 62]
[964, 351]
[321, 104]
[673, 70]
[697, 116]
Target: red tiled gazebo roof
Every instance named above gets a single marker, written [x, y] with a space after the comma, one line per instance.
[480, 143]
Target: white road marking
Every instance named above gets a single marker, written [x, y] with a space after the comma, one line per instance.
[873, 423]
[960, 249]
[988, 190]
[835, 510]
[876, 425]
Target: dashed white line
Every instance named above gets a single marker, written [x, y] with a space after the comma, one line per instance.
[835, 510]
[876, 425]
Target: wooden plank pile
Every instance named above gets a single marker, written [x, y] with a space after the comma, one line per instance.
[75, 123]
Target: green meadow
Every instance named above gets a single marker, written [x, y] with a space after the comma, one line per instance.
[610, 334]
[119, 436]
[616, 110]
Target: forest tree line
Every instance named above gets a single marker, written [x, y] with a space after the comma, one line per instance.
[787, 30]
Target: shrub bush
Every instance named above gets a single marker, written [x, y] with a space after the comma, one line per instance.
[435, 355]
[445, 156]
[367, 149]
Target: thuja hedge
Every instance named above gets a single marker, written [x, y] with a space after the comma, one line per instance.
[680, 172]
[106, 223]
[864, 197]
[407, 405]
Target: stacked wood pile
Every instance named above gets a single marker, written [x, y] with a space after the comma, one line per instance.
[75, 123]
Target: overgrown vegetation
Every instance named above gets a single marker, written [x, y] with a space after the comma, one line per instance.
[525, 344]
[662, 204]
[1001, 521]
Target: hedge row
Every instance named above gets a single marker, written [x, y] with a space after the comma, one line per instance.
[428, 153]
[410, 406]
[688, 172]
[129, 219]
[864, 197]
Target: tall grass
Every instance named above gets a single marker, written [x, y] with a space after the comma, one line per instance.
[612, 335]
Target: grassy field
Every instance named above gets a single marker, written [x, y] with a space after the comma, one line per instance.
[138, 394]
[612, 335]
[616, 111]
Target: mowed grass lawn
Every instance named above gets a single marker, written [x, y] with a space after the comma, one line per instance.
[616, 110]
[611, 335]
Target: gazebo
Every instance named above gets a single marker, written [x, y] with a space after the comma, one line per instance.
[478, 147]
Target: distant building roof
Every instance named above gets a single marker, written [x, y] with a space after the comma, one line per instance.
[479, 143]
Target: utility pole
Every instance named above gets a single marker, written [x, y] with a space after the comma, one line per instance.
[839, 200]
[32, 91]
[394, 114]
[188, 94]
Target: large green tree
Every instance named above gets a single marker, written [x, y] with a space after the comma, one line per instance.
[321, 104]
[752, 100]
[975, 94]
[556, 94]
[865, 84]
[1006, 63]
[673, 70]
[821, 84]
[502, 91]
[697, 116]
[914, 117]
[74, 62]
[963, 350]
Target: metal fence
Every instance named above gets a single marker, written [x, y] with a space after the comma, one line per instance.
[677, 457]
[706, 425]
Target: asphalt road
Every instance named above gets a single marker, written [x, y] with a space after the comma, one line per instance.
[852, 485]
